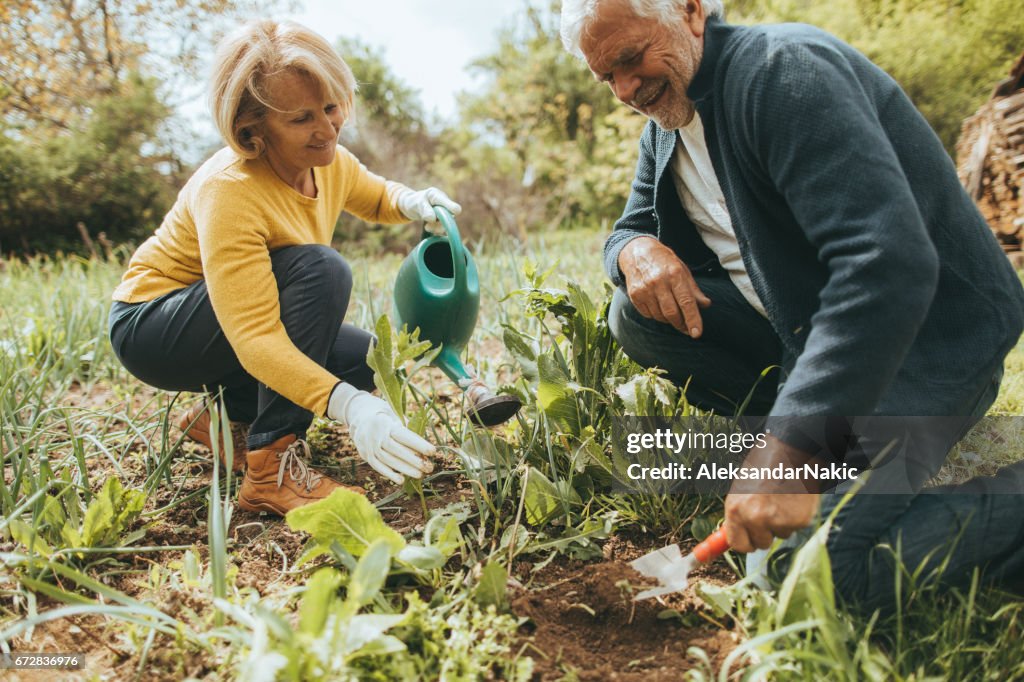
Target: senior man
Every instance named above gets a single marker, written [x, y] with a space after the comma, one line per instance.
[791, 207]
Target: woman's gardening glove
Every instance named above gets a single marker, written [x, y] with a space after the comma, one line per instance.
[420, 205]
[379, 435]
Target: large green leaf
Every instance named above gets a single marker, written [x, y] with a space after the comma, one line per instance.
[381, 361]
[100, 516]
[580, 300]
[582, 322]
[492, 589]
[555, 396]
[365, 635]
[71, 535]
[647, 394]
[410, 347]
[345, 517]
[590, 456]
[25, 535]
[449, 539]
[109, 515]
[807, 590]
[320, 595]
[523, 352]
[541, 502]
[370, 574]
[53, 511]
[422, 558]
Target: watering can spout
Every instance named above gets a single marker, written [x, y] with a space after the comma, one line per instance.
[438, 291]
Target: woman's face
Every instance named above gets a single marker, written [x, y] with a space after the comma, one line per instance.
[304, 133]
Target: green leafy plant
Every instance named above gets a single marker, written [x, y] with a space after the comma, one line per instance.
[338, 639]
[388, 358]
[105, 523]
[346, 524]
[576, 383]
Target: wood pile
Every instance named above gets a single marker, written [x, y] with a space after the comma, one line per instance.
[990, 161]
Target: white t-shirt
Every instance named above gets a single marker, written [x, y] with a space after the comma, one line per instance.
[703, 201]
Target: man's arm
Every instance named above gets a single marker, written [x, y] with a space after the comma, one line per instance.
[638, 219]
[810, 121]
[812, 124]
[660, 286]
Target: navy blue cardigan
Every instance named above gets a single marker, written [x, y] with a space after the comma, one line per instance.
[880, 276]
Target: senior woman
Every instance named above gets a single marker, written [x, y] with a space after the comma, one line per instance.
[238, 289]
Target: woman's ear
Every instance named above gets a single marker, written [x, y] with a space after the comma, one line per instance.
[252, 139]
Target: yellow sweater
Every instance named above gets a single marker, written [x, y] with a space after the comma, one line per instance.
[229, 217]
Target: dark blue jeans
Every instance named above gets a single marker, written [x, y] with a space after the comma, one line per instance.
[175, 343]
[977, 524]
[943, 533]
[724, 366]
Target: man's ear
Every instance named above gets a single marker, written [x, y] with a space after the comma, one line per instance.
[694, 17]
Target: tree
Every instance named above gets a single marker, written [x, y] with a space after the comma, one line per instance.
[388, 132]
[575, 145]
[56, 56]
[384, 99]
[85, 90]
[108, 175]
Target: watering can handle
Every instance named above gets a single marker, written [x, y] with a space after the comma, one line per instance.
[455, 243]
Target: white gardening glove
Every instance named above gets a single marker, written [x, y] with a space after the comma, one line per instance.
[420, 205]
[379, 435]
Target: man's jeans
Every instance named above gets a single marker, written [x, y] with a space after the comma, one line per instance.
[724, 365]
[175, 343]
[977, 524]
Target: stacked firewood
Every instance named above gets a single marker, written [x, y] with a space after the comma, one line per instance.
[990, 161]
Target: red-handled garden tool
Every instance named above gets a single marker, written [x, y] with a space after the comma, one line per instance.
[672, 569]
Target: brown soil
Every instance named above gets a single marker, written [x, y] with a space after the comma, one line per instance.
[107, 654]
[583, 621]
[581, 618]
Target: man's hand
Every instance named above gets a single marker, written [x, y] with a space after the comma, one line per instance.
[758, 511]
[661, 287]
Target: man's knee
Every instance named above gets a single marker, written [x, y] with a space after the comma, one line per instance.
[629, 328]
[616, 313]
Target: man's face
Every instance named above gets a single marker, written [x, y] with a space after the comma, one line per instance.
[648, 64]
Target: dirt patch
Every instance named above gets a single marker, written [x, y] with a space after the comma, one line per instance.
[582, 619]
[585, 622]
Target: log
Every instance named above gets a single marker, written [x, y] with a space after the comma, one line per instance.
[990, 161]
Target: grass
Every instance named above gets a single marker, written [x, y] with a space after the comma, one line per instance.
[189, 588]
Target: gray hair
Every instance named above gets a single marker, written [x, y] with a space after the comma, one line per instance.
[577, 13]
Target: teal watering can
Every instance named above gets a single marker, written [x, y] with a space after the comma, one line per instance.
[437, 290]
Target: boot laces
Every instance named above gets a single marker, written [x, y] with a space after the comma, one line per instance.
[297, 468]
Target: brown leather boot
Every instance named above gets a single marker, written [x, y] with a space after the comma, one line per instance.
[279, 479]
[196, 425]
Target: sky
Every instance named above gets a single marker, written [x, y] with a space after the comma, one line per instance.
[428, 44]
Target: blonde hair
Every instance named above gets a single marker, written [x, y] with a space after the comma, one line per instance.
[247, 58]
